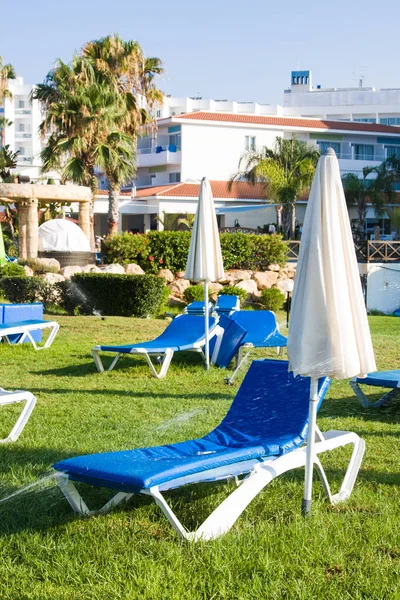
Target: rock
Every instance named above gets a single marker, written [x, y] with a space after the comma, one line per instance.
[28, 271]
[174, 301]
[114, 268]
[178, 286]
[91, 269]
[236, 275]
[265, 279]
[134, 269]
[167, 275]
[180, 275]
[249, 285]
[214, 288]
[48, 262]
[274, 267]
[52, 277]
[67, 272]
[256, 295]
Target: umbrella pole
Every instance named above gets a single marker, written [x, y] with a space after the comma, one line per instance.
[312, 422]
[206, 324]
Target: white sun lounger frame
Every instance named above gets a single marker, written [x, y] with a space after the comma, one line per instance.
[17, 396]
[25, 331]
[257, 474]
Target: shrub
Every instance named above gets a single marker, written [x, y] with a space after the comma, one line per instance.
[195, 293]
[169, 250]
[119, 295]
[125, 248]
[28, 289]
[231, 290]
[37, 267]
[272, 299]
[12, 270]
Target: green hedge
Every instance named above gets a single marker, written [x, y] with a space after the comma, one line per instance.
[169, 249]
[272, 299]
[29, 289]
[231, 290]
[12, 269]
[118, 295]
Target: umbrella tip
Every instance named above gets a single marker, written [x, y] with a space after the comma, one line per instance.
[330, 152]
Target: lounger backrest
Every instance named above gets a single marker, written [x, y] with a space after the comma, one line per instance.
[227, 302]
[186, 328]
[232, 339]
[259, 324]
[270, 404]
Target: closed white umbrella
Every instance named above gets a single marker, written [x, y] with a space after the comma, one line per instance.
[329, 333]
[204, 261]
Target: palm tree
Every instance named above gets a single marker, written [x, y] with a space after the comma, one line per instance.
[6, 72]
[123, 66]
[377, 191]
[94, 109]
[287, 171]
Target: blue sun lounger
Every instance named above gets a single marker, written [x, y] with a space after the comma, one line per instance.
[385, 379]
[227, 304]
[262, 332]
[185, 333]
[260, 438]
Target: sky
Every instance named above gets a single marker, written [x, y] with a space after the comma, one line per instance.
[234, 50]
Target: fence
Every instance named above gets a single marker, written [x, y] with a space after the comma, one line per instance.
[369, 251]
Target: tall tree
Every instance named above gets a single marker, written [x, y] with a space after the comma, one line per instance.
[123, 66]
[287, 171]
[7, 72]
[377, 190]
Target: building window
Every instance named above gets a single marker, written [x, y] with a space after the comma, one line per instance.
[364, 120]
[21, 104]
[174, 178]
[21, 151]
[21, 127]
[158, 114]
[363, 152]
[174, 142]
[323, 146]
[392, 151]
[390, 121]
[250, 143]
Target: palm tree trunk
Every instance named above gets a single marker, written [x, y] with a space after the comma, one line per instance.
[279, 217]
[286, 217]
[293, 221]
[93, 188]
[3, 135]
[113, 208]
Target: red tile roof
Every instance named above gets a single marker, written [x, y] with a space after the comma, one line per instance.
[292, 122]
[241, 190]
[105, 193]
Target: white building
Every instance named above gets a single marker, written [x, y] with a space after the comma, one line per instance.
[23, 134]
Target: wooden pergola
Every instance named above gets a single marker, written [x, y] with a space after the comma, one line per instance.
[30, 197]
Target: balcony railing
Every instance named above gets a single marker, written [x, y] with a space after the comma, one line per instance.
[22, 111]
[24, 159]
[159, 149]
[20, 135]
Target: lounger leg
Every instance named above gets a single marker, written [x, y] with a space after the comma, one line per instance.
[114, 362]
[242, 358]
[78, 504]
[365, 403]
[168, 512]
[97, 361]
[166, 361]
[51, 337]
[30, 402]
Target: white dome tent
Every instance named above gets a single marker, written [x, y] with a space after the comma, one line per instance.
[61, 235]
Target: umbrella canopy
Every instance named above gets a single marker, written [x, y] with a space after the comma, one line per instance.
[204, 261]
[61, 235]
[329, 333]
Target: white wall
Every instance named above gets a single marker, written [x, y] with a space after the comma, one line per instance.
[383, 287]
[214, 151]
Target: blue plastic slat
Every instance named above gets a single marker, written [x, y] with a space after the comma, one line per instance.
[268, 417]
[14, 313]
[262, 329]
[389, 379]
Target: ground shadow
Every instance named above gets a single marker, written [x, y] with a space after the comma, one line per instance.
[349, 406]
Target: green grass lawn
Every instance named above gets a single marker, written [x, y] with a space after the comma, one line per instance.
[351, 551]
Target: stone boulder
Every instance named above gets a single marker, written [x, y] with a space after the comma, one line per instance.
[236, 275]
[67, 272]
[174, 301]
[274, 267]
[114, 268]
[167, 275]
[48, 262]
[134, 269]
[28, 271]
[52, 277]
[265, 279]
[249, 286]
[180, 275]
[91, 269]
[178, 286]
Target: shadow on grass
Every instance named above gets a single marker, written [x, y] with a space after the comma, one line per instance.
[349, 406]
